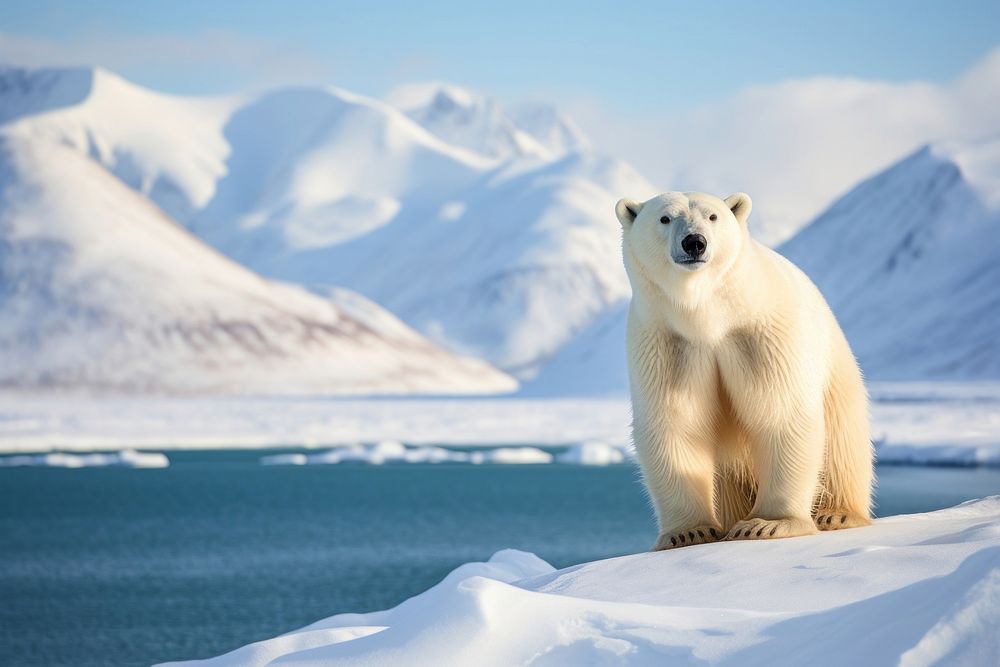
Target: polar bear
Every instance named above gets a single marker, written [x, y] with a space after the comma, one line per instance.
[750, 417]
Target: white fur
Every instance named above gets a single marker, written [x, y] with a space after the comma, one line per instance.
[750, 414]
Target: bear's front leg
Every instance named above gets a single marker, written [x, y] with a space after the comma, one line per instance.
[787, 462]
[675, 407]
[679, 474]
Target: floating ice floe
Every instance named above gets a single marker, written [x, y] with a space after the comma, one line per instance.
[511, 455]
[910, 590]
[391, 451]
[127, 458]
[284, 460]
[594, 453]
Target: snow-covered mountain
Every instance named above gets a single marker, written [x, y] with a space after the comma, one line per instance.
[99, 288]
[488, 230]
[502, 255]
[909, 260]
[508, 269]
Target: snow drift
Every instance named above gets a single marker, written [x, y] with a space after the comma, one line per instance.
[910, 590]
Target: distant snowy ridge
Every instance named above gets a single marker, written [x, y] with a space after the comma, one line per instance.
[487, 229]
[99, 289]
[909, 260]
[929, 585]
[479, 123]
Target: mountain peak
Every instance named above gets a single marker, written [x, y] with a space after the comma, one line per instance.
[479, 123]
[907, 260]
[979, 163]
[26, 92]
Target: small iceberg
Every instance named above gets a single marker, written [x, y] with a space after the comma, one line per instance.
[594, 453]
[126, 458]
[392, 451]
[512, 456]
[284, 460]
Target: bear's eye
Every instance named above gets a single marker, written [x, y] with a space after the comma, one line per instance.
[664, 219]
[713, 217]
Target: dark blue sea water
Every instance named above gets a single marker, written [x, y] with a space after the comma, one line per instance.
[128, 567]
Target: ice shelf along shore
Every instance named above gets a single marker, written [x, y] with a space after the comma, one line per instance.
[920, 423]
[911, 590]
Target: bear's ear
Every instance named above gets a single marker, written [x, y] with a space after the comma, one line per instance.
[740, 205]
[627, 210]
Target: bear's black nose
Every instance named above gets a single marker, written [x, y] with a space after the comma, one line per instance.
[694, 245]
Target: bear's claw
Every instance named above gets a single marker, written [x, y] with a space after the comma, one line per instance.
[682, 538]
[769, 529]
[833, 519]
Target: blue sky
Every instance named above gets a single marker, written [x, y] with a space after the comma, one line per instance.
[793, 102]
[641, 54]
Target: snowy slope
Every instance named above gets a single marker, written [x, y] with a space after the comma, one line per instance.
[591, 364]
[100, 289]
[912, 590]
[508, 270]
[313, 167]
[910, 263]
[492, 236]
[504, 260]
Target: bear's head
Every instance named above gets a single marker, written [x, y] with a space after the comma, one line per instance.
[675, 235]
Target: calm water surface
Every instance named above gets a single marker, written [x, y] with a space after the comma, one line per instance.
[129, 567]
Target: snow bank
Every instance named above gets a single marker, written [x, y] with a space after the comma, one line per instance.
[127, 458]
[910, 590]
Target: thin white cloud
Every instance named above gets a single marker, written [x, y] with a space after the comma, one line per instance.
[214, 57]
[797, 145]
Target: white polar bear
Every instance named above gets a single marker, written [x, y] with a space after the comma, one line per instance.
[750, 417]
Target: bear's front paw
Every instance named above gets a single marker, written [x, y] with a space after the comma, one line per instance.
[682, 538]
[770, 529]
